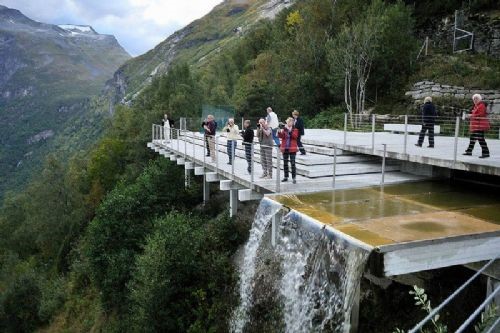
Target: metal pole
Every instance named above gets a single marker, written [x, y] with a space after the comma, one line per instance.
[178, 138]
[152, 132]
[406, 134]
[426, 44]
[478, 310]
[216, 153]
[373, 133]
[204, 153]
[185, 142]
[233, 158]
[446, 301]
[252, 165]
[345, 129]
[383, 165]
[334, 165]
[278, 169]
[457, 128]
[194, 152]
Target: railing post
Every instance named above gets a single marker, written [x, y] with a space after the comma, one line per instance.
[185, 143]
[383, 165]
[278, 172]
[406, 134]
[171, 130]
[345, 129]
[373, 133]
[252, 165]
[194, 151]
[204, 153]
[216, 153]
[178, 139]
[152, 132]
[455, 150]
[233, 158]
[334, 165]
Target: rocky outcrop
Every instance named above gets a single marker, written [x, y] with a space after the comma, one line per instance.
[429, 88]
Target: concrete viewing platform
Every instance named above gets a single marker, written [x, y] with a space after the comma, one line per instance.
[407, 227]
[442, 155]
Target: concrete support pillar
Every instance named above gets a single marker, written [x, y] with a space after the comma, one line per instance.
[276, 220]
[233, 202]
[206, 189]
[187, 178]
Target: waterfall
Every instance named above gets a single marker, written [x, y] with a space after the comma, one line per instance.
[319, 274]
[266, 210]
[320, 277]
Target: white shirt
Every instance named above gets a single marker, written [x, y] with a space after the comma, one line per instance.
[272, 120]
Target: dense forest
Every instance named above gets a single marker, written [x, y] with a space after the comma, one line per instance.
[111, 240]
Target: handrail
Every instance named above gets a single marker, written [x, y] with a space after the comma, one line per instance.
[447, 300]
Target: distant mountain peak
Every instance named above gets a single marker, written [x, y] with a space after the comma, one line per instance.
[78, 29]
[12, 15]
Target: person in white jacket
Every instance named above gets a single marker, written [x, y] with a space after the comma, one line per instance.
[167, 124]
[232, 133]
[273, 123]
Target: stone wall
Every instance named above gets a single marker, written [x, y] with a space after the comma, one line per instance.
[428, 88]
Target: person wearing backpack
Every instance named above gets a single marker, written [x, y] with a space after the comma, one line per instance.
[479, 124]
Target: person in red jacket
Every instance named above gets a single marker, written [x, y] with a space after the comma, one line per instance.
[288, 135]
[479, 124]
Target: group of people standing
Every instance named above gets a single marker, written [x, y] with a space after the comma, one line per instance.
[478, 125]
[270, 132]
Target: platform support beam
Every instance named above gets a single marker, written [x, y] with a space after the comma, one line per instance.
[233, 202]
[206, 189]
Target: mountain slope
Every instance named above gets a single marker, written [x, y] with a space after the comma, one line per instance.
[46, 74]
[195, 43]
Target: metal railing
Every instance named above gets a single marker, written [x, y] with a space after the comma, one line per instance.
[380, 135]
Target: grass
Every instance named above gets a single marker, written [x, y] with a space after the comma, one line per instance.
[462, 69]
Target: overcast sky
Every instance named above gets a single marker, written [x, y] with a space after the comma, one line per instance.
[138, 25]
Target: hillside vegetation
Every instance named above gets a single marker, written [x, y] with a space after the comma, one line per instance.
[47, 78]
[113, 242]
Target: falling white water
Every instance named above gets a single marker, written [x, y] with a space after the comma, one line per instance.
[265, 212]
[320, 278]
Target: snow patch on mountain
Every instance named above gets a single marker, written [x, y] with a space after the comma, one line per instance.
[78, 29]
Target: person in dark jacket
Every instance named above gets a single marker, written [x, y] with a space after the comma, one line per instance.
[428, 120]
[299, 125]
[210, 127]
[479, 124]
[248, 135]
[288, 135]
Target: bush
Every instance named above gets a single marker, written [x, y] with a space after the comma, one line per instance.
[19, 304]
[184, 278]
[123, 221]
[332, 117]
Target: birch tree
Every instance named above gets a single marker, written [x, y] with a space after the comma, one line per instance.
[351, 54]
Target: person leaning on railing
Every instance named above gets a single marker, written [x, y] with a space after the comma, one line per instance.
[264, 134]
[428, 120]
[479, 124]
[210, 127]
